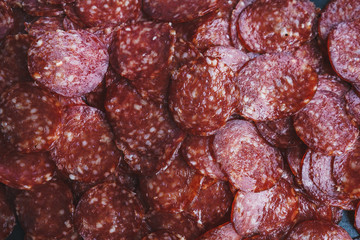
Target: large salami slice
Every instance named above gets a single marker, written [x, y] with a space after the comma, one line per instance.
[324, 126]
[269, 91]
[107, 12]
[202, 95]
[7, 217]
[69, 63]
[344, 50]
[225, 231]
[41, 8]
[335, 12]
[178, 10]
[198, 153]
[24, 171]
[248, 160]
[46, 212]
[320, 230]
[142, 129]
[85, 150]
[30, 117]
[262, 27]
[44, 24]
[256, 213]
[6, 19]
[142, 53]
[110, 212]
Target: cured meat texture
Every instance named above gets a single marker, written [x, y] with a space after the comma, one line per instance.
[165, 235]
[40, 8]
[184, 52]
[333, 84]
[353, 105]
[6, 19]
[44, 24]
[7, 217]
[294, 157]
[69, 63]
[224, 232]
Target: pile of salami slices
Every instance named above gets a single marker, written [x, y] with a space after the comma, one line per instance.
[179, 119]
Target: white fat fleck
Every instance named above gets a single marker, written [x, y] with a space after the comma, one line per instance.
[72, 177]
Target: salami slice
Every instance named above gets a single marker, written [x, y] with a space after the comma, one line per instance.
[40, 8]
[69, 63]
[333, 84]
[164, 235]
[46, 211]
[202, 96]
[232, 57]
[225, 231]
[324, 126]
[318, 230]
[248, 160]
[85, 150]
[294, 157]
[353, 105]
[269, 91]
[344, 50]
[278, 204]
[45, 24]
[142, 129]
[109, 211]
[6, 19]
[107, 13]
[184, 52]
[75, 21]
[335, 12]
[142, 53]
[7, 217]
[106, 35]
[24, 171]
[178, 10]
[279, 133]
[198, 154]
[30, 117]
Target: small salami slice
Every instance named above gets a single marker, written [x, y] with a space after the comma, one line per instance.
[335, 12]
[46, 212]
[163, 235]
[225, 231]
[345, 171]
[7, 217]
[110, 212]
[30, 117]
[45, 24]
[6, 19]
[294, 157]
[41, 9]
[270, 92]
[279, 133]
[249, 161]
[178, 10]
[255, 213]
[197, 153]
[202, 96]
[184, 52]
[24, 171]
[353, 105]
[318, 230]
[324, 126]
[333, 84]
[142, 53]
[85, 150]
[69, 63]
[141, 127]
[107, 13]
[269, 32]
[344, 50]
[232, 57]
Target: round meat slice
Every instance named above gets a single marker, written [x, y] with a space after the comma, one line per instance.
[7, 217]
[107, 12]
[178, 10]
[198, 153]
[225, 231]
[324, 126]
[41, 8]
[269, 91]
[45, 24]
[294, 157]
[144, 131]
[108, 211]
[46, 211]
[279, 133]
[202, 96]
[163, 235]
[24, 171]
[142, 53]
[256, 213]
[69, 63]
[320, 230]
[344, 50]
[275, 26]
[232, 57]
[30, 117]
[335, 12]
[6, 19]
[346, 171]
[85, 150]
[353, 105]
[248, 160]
[333, 84]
